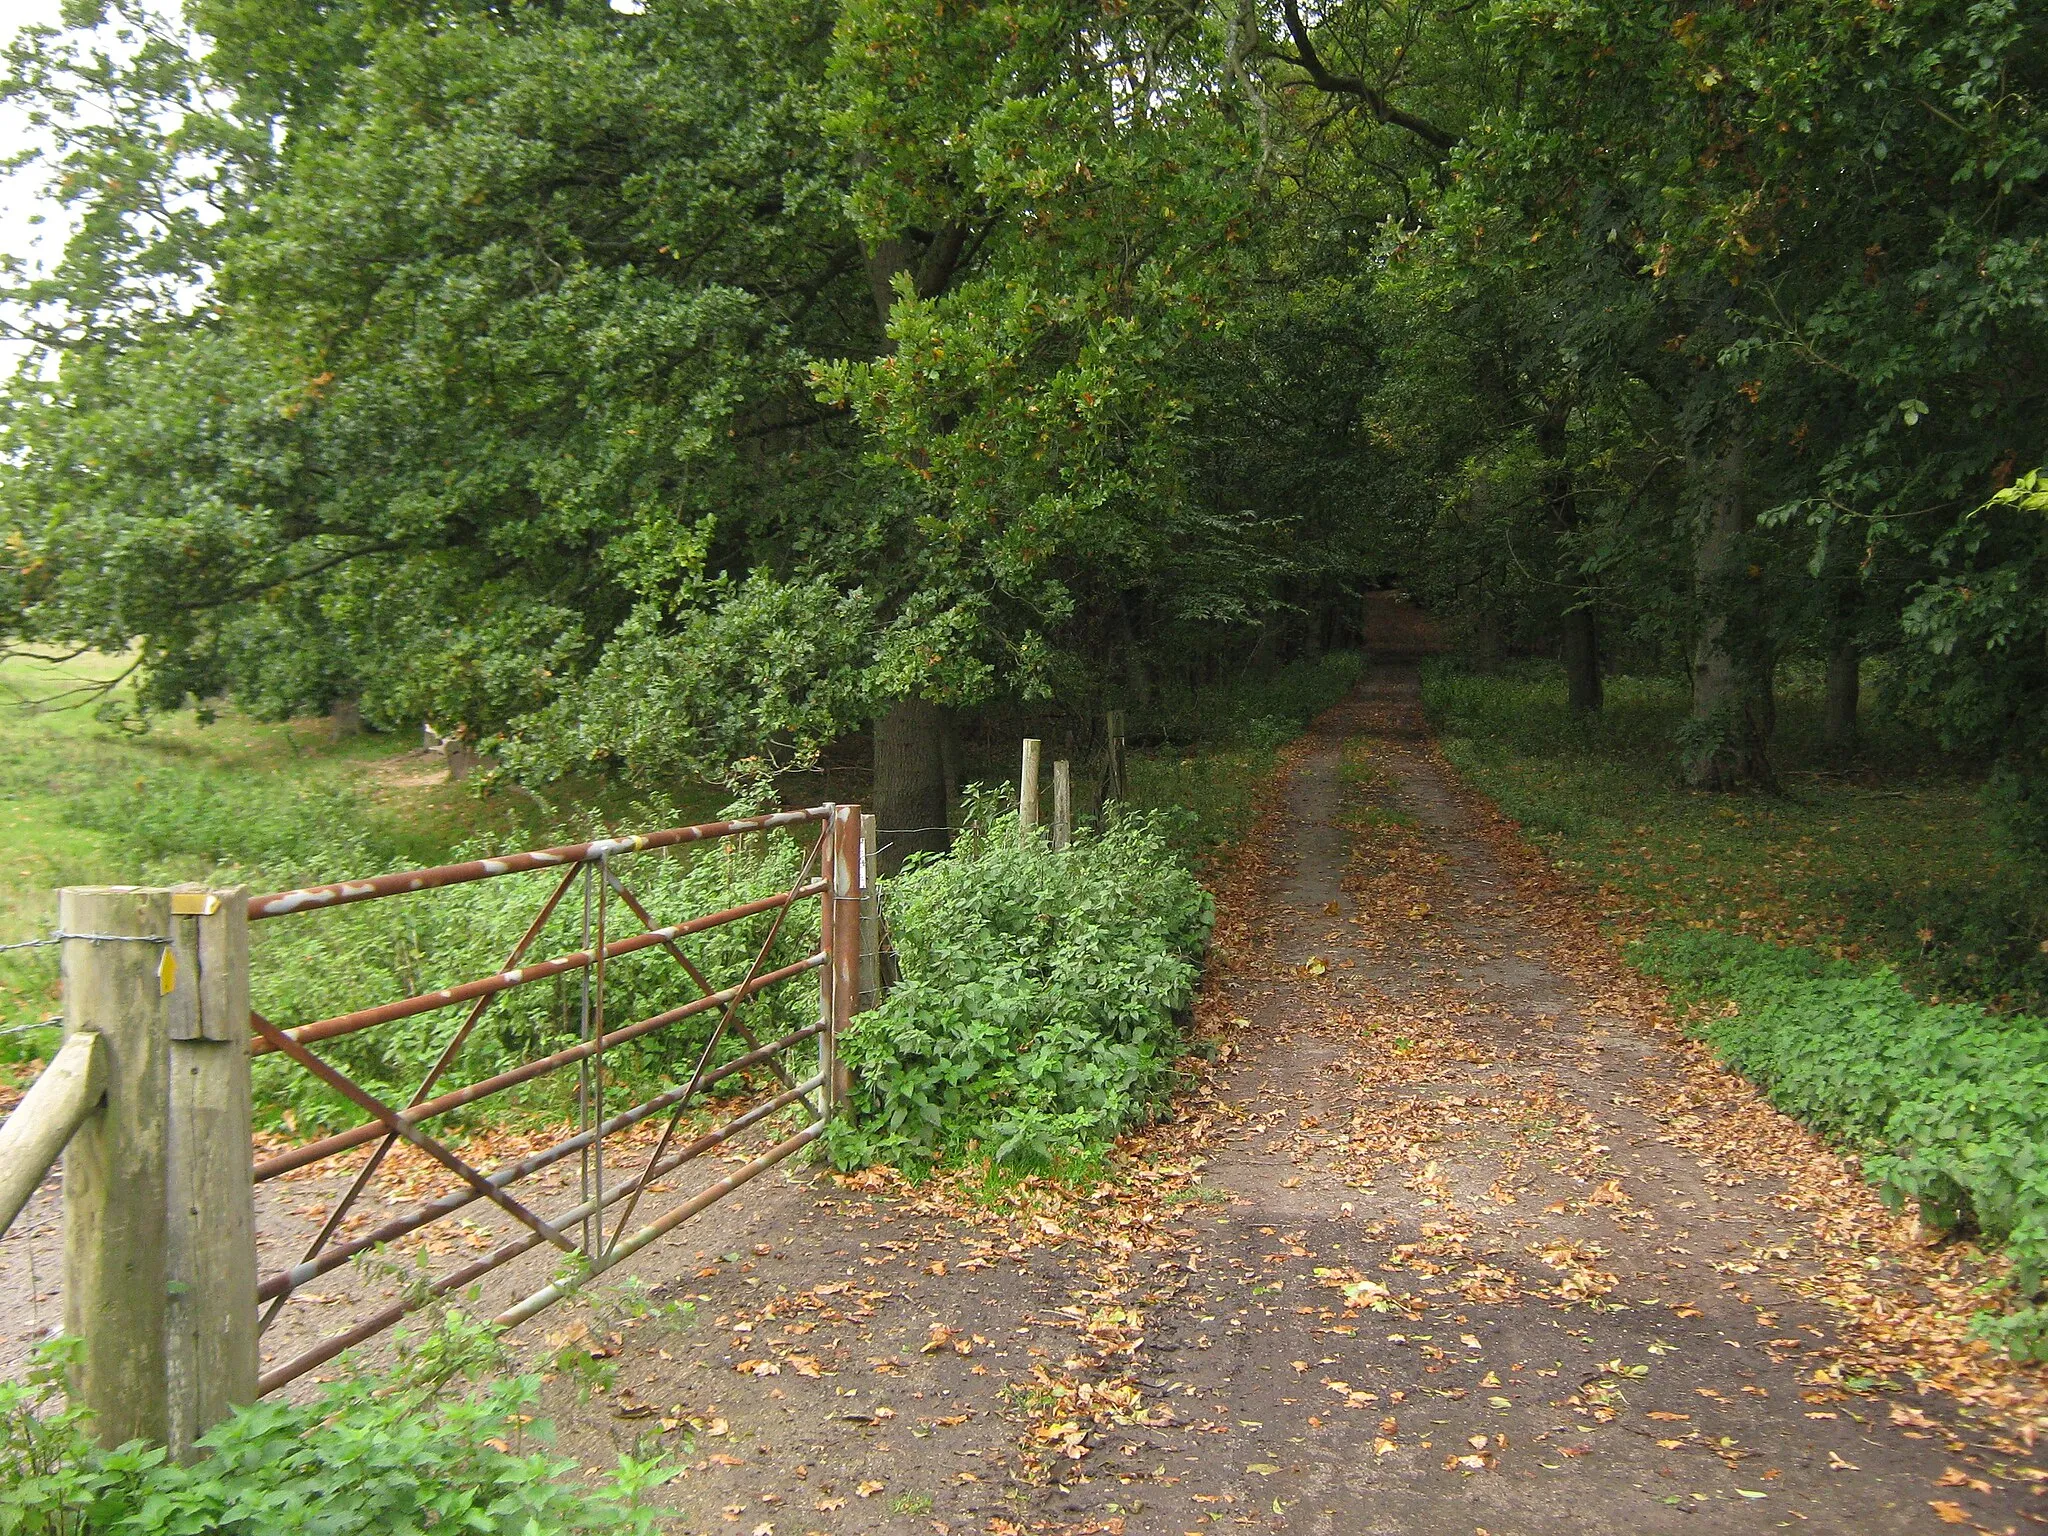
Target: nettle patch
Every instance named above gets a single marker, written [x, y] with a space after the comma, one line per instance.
[1042, 999]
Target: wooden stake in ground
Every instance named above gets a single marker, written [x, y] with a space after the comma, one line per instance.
[1113, 770]
[1027, 786]
[115, 1209]
[1062, 803]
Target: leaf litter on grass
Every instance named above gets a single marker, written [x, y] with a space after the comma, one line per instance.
[1906, 1307]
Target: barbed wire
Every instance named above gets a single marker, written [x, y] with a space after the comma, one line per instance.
[90, 938]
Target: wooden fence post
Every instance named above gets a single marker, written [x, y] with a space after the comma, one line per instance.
[870, 918]
[159, 1210]
[211, 1250]
[117, 970]
[1062, 803]
[1114, 787]
[1027, 786]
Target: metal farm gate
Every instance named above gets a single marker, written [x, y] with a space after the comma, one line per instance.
[151, 1092]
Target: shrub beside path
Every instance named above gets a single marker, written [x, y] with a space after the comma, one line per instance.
[1458, 1237]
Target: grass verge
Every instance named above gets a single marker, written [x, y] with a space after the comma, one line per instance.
[1947, 1104]
[1887, 856]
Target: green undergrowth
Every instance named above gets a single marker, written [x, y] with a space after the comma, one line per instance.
[1886, 855]
[1042, 998]
[1268, 707]
[85, 798]
[1860, 945]
[442, 1443]
[1947, 1103]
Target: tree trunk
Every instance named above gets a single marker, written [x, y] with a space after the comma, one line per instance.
[949, 759]
[1728, 737]
[1584, 693]
[916, 759]
[910, 782]
[1845, 693]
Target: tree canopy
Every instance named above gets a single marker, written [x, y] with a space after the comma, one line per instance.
[655, 388]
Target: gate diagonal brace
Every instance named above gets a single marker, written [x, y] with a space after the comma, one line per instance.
[396, 1124]
[648, 925]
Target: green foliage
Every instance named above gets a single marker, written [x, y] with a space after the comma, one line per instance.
[1981, 623]
[2021, 1333]
[1949, 1103]
[774, 668]
[371, 1456]
[1040, 1007]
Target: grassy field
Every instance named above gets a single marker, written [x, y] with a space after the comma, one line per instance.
[1886, 857]
[84, 801]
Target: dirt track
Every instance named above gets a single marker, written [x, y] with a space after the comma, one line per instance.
[1451, 1262]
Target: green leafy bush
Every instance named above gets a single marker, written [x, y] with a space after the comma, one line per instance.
[1041, 996]
[378, 1456]
[1949, 1103]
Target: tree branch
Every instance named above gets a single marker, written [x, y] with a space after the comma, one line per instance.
[1306, 58]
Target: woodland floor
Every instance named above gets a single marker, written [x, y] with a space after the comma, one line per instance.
[1460, 1235]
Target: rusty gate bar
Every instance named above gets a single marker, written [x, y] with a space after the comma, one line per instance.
[554, 1291]
[371, 1326]
[832, 870]
[285, 1281]
[341, 1141]
[343, 892]
[504, 981]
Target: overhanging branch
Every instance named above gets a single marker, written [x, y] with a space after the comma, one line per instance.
[1323, 78]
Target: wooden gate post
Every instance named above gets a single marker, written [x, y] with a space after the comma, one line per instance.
[115, 1210]
[1027, 786]
[159, 1240]
[848, 885]
[1062, 803]
[211, 1254]
[870, 919]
